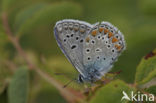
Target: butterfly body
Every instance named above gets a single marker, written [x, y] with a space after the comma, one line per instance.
[92, 49]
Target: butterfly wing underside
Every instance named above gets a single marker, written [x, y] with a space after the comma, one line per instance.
[103, 45]
[70, 35]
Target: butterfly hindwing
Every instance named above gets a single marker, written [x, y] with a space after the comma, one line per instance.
[70, 36]
[102, 46]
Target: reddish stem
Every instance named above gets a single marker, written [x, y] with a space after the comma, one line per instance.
[64, 92]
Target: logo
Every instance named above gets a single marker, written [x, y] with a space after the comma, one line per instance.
[137, 96]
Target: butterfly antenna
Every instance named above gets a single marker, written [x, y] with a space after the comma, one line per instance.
[68, 83]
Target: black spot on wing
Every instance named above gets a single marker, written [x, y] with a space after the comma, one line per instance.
[73, 47]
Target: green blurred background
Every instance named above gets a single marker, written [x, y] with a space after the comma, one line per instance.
[33, 22]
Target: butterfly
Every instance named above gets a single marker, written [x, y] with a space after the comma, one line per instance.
[91, 49]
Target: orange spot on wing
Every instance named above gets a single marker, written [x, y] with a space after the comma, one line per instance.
[110, 34]
[94, 32]
[106, 30]
[101, 29]
[76, 29]
[118, 47]
[114, 40]
[82, 31]
[87, 39]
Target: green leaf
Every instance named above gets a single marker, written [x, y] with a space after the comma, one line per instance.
[3, 81]
[3, 41]
[27, 13]
[66, 69]
[112, 93]
[146, 70]
[3, 97]
[4, 75]
[2, 87]
[18, 88]
[151, 89]
[46, 14]
[48, 94]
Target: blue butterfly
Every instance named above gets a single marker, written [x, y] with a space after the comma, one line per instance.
[91, 49]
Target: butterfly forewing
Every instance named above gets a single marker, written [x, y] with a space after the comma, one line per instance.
[70, 36]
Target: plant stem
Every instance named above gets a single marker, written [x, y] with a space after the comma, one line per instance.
[14, 40]
[63, 91]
